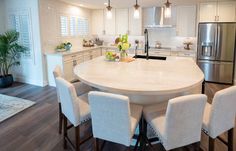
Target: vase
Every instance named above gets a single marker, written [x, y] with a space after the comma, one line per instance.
[123, 55]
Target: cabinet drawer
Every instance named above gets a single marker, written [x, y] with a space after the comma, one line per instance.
[160, 53]
[72, 57]
[186, 54]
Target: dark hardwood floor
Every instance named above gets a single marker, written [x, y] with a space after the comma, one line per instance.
[36, 128]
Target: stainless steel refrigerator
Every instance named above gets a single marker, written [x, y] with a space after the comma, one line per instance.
[216, 51]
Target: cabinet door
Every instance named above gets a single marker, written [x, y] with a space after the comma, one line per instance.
[186, 21]
[110, 23]
[98, 22]
[135, 25]
[208, 12]
[68, 70]
[226, 11]
[122, 20]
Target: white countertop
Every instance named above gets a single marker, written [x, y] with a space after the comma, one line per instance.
[142, 77]
[83, 49]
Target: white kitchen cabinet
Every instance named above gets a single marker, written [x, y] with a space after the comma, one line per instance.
[218, 12]
[98, 22]
[186, 21]
[68, 62]
[227, 11]
[122, 21]
[135, 25]
[110, 23]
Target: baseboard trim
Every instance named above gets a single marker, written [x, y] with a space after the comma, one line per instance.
[30, 81]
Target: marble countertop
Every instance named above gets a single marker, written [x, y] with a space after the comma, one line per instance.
[146, 77]
[83, 49]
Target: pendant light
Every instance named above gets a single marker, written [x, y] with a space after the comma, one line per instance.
[136, 10]
[167, 9]
[109, 13]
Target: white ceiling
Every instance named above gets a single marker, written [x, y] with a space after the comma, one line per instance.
[94, 4]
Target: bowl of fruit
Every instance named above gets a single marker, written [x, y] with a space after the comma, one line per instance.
[111, 56]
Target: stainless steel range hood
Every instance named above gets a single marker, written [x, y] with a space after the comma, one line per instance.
[157, 18]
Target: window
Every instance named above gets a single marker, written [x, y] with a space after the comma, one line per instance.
[83, 27]
[73, 30]
[20, 21]
[64, 26]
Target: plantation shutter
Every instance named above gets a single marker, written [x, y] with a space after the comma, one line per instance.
[64, 26]
[83, 27]
[73, 30]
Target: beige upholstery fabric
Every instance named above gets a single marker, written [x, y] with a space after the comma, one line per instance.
[80, 87]
[75, 108]
[113, 117]
[220, 116]
[181, 124]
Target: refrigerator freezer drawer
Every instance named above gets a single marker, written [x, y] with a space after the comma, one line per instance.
[220, 72]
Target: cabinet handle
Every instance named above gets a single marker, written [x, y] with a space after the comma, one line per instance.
[74, 62]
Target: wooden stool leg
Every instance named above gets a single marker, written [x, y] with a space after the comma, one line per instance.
[60, 119]
[77, 138]
[65, 132]
[97, 144]
[197, 146]
[211, 146]
[230, 139]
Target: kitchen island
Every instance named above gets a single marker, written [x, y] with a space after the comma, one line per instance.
[144, 81]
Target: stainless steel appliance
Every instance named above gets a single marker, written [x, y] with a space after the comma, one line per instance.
[216, 51]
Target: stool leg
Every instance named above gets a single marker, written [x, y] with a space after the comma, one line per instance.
[211, 146]
[77, 138]
[230, 139]
[60, 119]
[65, 132]
[97, 144]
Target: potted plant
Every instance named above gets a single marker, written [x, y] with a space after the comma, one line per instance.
[10, 53]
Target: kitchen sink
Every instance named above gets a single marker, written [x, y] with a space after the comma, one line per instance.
[150, 57]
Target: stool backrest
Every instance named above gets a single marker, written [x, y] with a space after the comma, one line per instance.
[69, 101]
[184, 117]
[57, 72]
[223, 110]
[110, 117]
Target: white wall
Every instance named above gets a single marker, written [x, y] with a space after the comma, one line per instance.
[30, 70]
[2, 16]
[50, 11]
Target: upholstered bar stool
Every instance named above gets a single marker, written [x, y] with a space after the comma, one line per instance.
[75, 109]
[179, 124]
[114, 119]
[80, 89]
[219, 117]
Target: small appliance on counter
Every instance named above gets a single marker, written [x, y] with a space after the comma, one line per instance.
[216, 51]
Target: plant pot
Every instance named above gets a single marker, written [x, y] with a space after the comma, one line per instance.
[6, 81]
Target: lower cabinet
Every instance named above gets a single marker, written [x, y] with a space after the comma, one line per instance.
[68, 62]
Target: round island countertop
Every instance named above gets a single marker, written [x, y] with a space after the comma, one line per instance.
[141, 77]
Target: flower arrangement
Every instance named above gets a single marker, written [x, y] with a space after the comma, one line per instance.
[123, 46]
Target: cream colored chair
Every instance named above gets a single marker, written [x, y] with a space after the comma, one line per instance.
[179, 124]
[219, 117]
[80, 89]
[74, 108]
[114, 119]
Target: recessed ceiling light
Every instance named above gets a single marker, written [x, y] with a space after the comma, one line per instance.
[81, 5]
[106, 4]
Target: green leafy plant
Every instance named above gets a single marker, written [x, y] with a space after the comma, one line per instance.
[10, 51]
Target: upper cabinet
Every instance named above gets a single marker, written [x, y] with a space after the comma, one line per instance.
[122, 21]
[110, 23]
[224, 11]
[186, 21]
[135, 24]
[97, 22]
